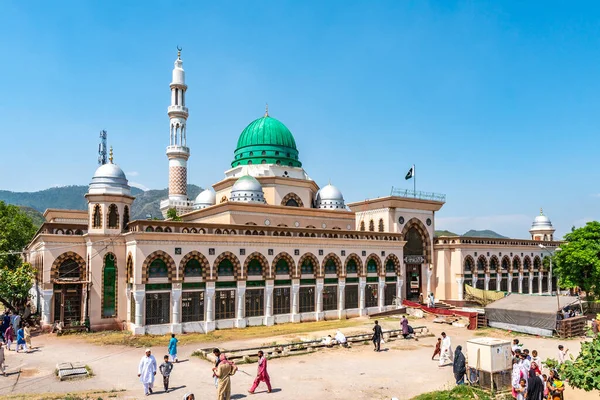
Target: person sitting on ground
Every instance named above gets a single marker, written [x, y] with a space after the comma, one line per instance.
[340, 338]
[328, 341]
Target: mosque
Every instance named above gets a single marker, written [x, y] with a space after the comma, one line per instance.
[266, 245]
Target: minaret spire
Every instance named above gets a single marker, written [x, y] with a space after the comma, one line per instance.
[177, 151]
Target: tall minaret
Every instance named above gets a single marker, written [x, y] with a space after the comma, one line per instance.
[177, 151]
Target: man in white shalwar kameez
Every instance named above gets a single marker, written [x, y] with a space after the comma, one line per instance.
[147, 371]
[446, 356]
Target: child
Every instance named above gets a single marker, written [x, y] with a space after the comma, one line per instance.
[173, 348]
[9, 335]
[438, 348]
[545, 379]
[535, 358]
[21, 340]
[165, 369]
[522, 390]
[562, 353]
[515, 346]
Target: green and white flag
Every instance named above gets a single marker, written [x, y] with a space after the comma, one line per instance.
[410, 173]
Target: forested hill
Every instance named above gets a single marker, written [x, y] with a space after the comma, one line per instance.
[72, 198]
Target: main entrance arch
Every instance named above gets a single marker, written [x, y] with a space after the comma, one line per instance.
[416, 253]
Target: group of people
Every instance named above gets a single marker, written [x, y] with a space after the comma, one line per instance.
[13, 330]
[222, 372]
[377, 338]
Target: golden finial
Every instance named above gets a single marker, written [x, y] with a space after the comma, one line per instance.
[266, 109]
[110, 155]
[541, 211]
[179, 52]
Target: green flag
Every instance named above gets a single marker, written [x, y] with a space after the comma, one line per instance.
[410, 173]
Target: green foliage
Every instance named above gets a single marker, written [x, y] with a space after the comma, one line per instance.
[550, 363]
[172, 214]
[584, 371]
[16, 231]
[462, 392]
[578, 263]
[15, 284]
[36, 217]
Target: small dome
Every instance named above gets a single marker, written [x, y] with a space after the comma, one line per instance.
[247, 189]
[330, 197]
[109, 179]
[206, 198]
[541, 222]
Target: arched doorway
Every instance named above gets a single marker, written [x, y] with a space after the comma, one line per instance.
[414, 251]
[68, 272]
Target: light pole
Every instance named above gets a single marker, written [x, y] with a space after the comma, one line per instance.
[541, 246]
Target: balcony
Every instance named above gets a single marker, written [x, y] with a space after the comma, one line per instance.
[412, 194]
[178, 109]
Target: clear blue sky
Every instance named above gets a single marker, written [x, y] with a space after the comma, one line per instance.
[495, 102]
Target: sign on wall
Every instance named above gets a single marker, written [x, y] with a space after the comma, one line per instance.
[414, 259]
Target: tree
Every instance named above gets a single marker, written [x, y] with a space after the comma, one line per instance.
[172, 214]
[16, 231]
[584, 371]
[578, 263]
[15, 284]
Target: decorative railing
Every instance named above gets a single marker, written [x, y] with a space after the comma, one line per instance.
[412, 194]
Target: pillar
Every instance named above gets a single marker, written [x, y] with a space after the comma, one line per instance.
[176, 295]
[319, 315]
[429, 272]
[550, 278]
[460, 280]
[498, 280]
[138, 296]
[399, 296]
[509, 278]
[342, 298]
[240, 321]
[540, 278]
[209, 304]
[531, 291]
[47, 306]
[295, 300]
[520, 282]
[381, 293]
[128, 295]
[362, 282]
[269, 318]
[486, 284]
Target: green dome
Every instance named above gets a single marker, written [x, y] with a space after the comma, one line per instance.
[266, 141]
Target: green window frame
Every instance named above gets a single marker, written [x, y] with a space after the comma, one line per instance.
[109, 289]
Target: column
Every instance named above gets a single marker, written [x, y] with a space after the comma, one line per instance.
[138, 296]
[381, 293]
[176, 295]
[540, 278]
[362, 282]
[498, 280]
[128, 316]
[295, 300]
[319, 315]
[520, 282]
[550, 278]
[486, 284]
[531, 291]
[342, 298]
[47, 306]
[209, 303]
[461, 287]
[269, 318]
[510, 278]
[400, 283]
[240, 321]
[429, 274]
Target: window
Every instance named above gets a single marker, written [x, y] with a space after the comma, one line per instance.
[390, 266]
[192, 306]
[254, 268]
[109, 289]
[351, 267]
[158, 307]
[97, 220]
[381, 225]
[371, 295]
[255, 300]
[292, 203]
[132, 309]
[158, 269]
[113, 216]
[307, 267]
[282, 267]
[307, 299]
[69, 269]
[281, 300]
[330, 267]
[225, 268]
[125, 217]
[362, 226]
[371, 226]
[264, 153]
[225, 304]
[330, 298]
[371, 266]
[390, 294]
[351, 296]
[192, 269]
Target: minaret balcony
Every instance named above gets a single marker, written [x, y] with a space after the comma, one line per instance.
[178, 109]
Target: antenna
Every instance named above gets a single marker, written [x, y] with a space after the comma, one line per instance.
[102, 148]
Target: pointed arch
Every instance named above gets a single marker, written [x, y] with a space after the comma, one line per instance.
[371, 226]
[129, 268]
[526, 263]
[505, 263]
[516, 264]
[125, 217]
[425, 238]
[329, 258]
[494, 263]
[537, 263]
[113, 217]
[202, 263]
[373, 259]
[265, 271]
[381, 226]
[159, 255]
[229, 256]
[362, 226]
[68, 266]
[279, 266]
[468, 265]
[303, 262]
[97, 216]
[109, 286]
[393, 260]
[482, 264]
[357, 262]
[292, 200]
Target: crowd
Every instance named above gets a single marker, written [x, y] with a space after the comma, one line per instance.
[16, 329]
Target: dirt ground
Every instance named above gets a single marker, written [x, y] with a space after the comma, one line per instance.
[404, 369]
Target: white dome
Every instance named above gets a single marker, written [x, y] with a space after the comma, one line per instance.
[109, 179]
[541, 222]
[330, 197]
[247, 189]
[206, 198]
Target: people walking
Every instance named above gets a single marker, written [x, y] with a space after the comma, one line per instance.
[535, 384]
[446, 352]
[438, 349]
[27, 336]
[21, 340]
[404, 325]
[224, 372]
[147, 371]
[9, 336]
[377, 335]
[261, 375]
[165, 369]
[173, 348]
[459, 366]
[2, 366]
[16, 321]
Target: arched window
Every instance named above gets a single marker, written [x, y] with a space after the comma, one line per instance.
[481, 264]
[113, 216]
[97, 218]
[254, 268]
[371, 226]
[69, 269]
[225, 268]
[192, 269]
[158, 269]
[371, 266]
[390, 266]
[307, 267]
[109, 287]
[282, 267]
[125, 217]
[292, 203]
[381, 225]
[468, 265]
[330, 267]
[362, 226]
[351, 267]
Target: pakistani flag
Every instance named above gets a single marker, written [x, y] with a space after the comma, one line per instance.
[410, 173]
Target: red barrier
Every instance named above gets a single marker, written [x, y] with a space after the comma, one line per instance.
[442, 311]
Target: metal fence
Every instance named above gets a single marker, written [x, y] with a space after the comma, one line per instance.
[408, 193]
